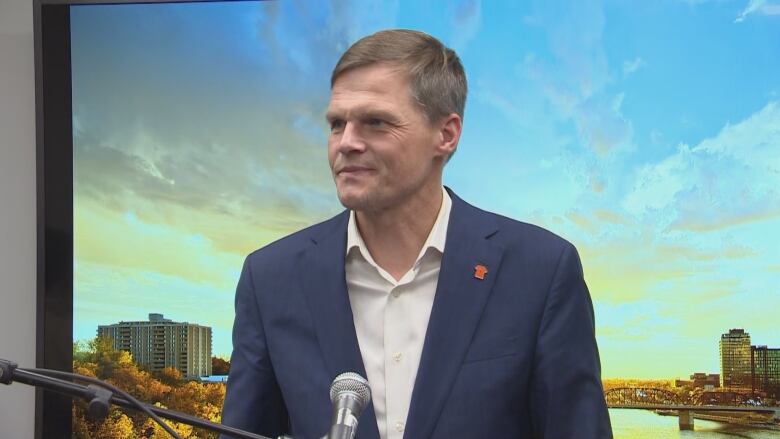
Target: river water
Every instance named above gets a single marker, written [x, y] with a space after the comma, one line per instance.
[645, 424]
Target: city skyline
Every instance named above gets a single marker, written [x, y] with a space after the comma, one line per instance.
[720, 370]
[646, 134]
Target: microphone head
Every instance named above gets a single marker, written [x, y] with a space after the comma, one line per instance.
[353, 384]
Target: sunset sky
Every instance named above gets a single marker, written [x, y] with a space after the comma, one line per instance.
[647, 133]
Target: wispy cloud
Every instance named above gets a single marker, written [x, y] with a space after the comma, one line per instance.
[631, 66]
[680, 252]
[763, 7]
[752, 6]
[758, 7]
[657, 185]
[466, 19]
[695, 223]
[610, 216]
[773, 9]
[602, 125]
[635, 320]
[583, 221]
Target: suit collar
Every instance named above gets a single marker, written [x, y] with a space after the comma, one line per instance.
[325, 288]
[457, 308]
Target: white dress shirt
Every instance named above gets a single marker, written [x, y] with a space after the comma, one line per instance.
[391, 318]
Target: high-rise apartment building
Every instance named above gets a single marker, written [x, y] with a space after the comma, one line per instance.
[160, 343]
[735, 353]
[765, 368]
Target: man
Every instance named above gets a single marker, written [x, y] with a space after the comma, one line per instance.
[465, 323]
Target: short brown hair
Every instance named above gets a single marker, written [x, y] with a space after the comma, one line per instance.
[437, 77]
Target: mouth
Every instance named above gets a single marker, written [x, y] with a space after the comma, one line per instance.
[353, 170]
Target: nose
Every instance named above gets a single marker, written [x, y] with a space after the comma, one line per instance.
[350, 139]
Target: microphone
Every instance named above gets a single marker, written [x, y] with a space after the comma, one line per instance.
[350, 395]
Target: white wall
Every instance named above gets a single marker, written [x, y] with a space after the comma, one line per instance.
[17, 211]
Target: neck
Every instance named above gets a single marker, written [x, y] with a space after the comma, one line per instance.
[395, 236]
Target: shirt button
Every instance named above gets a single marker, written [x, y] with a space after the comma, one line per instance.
[397, 357]
[396, 293]
[399, 426]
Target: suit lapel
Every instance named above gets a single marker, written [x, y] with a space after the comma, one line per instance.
[457, 308]
[325, 289]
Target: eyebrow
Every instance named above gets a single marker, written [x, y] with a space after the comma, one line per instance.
[362, 113]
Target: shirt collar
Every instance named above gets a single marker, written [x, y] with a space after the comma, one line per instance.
[436, 238]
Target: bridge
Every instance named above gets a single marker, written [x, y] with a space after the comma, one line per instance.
[645, 398]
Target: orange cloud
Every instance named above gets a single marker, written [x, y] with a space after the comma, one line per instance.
[676, 252]
[712, 223]
[610, 216]
[582, 221]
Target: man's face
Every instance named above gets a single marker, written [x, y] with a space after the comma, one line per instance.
[382, 149]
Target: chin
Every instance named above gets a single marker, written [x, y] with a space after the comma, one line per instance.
[357, 201]
[352, 203]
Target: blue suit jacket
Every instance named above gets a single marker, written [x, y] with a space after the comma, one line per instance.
[511, 356]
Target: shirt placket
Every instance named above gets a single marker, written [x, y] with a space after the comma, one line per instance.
[397, 366]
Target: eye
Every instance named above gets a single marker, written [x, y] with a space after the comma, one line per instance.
[375, 122]
[336, 125]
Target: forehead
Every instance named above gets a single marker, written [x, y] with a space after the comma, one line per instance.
[378, 85]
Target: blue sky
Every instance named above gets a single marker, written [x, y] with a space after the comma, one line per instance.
[647, 133]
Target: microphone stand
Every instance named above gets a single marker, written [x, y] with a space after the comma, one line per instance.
[100, 398]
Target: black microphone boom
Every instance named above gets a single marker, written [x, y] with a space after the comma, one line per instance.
[350, 395]
[100, 398]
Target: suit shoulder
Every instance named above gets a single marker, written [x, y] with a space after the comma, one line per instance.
[525, 248]
[532, 245]
[510, 232]
[513, 233]
[535, 232]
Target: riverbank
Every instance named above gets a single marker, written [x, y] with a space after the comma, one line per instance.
[734, 418]
[645, 424]
[746, 419]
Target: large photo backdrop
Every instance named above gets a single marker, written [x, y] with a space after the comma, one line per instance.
[647, 133]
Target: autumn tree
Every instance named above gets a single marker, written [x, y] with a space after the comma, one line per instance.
[116, 426]
[165, 388]
[170, 376]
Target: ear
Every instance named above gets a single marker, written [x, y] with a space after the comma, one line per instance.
[450, 128]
